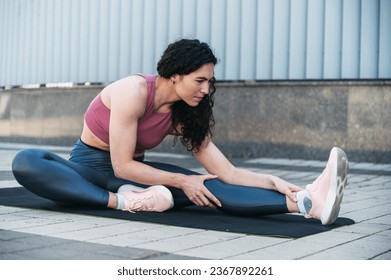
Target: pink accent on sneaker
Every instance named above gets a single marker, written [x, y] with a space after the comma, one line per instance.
[326, 192]
[156, 198]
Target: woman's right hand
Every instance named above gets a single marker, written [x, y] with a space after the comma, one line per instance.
[194, 188]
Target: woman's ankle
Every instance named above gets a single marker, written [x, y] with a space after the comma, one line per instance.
[292, 206]
[112, 203]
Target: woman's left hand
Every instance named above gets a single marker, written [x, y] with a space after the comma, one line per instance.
[285, 187]
[194, 188]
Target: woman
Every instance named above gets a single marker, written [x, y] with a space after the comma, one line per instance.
[135, 114]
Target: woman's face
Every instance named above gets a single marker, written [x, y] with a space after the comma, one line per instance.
[191, 88]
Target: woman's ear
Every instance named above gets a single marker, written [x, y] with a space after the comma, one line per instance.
[175, 78]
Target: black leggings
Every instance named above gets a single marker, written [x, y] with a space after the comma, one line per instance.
[87, 177]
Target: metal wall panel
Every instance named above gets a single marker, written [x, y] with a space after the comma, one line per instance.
[350, 62]
[332, 39]
[297, 39]
[315, 39]
[281, 21]
[52, 41]
[369, 33]
[264, 37]
[385, 40]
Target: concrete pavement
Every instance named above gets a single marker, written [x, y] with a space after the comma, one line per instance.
[28, 234]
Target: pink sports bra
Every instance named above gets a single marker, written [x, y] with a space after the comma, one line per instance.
[152, 127]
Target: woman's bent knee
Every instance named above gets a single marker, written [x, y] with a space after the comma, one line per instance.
[25, 163]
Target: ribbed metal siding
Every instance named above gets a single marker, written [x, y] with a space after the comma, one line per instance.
[48, 41]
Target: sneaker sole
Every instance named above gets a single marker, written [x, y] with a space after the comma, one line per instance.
[337, 186]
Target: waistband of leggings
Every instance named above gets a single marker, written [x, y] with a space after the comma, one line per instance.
[90, 147]
[103, 151]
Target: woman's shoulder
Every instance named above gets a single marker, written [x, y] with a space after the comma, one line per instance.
[133, 82]
[127, 89]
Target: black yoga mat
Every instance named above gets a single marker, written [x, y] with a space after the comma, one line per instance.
[281, 225]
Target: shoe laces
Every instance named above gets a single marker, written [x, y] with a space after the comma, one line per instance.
[139, 204]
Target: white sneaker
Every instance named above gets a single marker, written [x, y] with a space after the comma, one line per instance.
[153, 199]
[326, 192]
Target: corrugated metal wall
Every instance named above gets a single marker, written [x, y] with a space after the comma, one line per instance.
[48, 41]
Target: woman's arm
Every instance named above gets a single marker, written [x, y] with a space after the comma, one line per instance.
[216, 163]
[127, 105]
[128, 100]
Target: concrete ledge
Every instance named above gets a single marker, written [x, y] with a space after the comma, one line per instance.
[253, 119]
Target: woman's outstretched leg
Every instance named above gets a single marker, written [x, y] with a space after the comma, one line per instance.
[237, 200]
[320, 200]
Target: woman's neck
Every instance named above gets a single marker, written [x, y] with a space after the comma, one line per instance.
[165, 95]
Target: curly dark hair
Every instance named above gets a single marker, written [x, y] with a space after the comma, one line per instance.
[184, 57]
